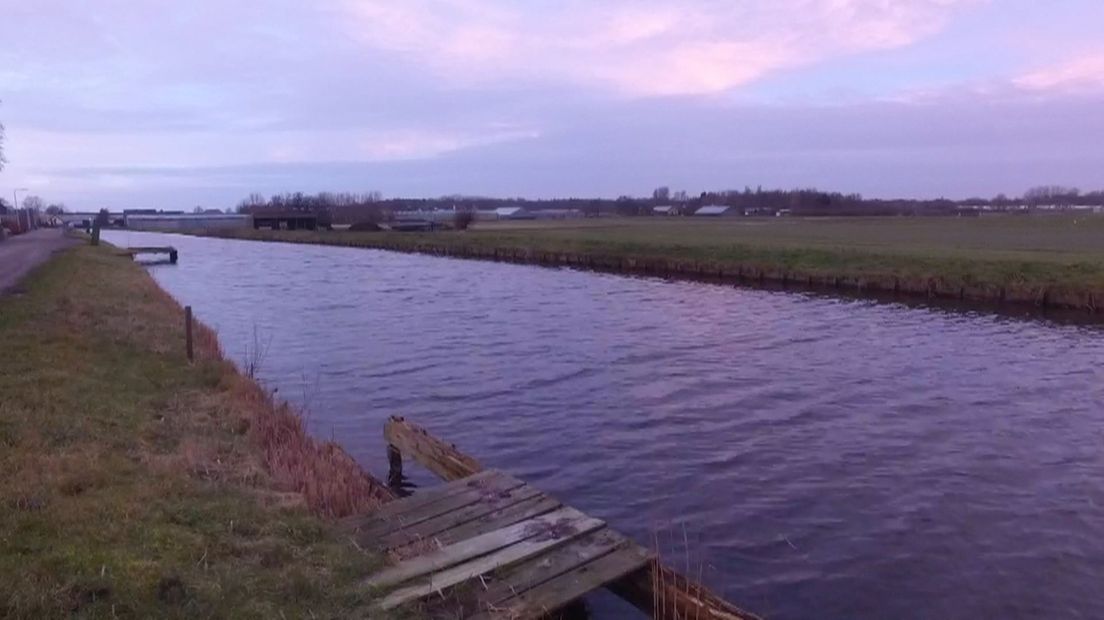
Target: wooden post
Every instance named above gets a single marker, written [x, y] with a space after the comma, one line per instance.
[435, 455]
[188, 332]
[96, 231]
[394, 468]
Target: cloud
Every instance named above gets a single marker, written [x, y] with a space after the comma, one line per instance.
[635, 47]
[73, 149]
[1077, 75]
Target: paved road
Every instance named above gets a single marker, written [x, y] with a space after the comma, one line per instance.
[22, 253]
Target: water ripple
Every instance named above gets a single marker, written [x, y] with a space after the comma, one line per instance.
[826, 457]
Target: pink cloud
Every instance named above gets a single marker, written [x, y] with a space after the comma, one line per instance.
[1081, 74]
[640, 48]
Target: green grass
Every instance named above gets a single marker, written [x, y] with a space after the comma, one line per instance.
[1025, 255]
[131, 487]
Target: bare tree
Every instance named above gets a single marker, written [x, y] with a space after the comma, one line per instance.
[56, 208]
[463, 219]
[34, 203]
[662, 195]
[253, 202]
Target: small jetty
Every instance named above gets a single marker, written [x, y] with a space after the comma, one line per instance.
[171, 251]
[487, 545]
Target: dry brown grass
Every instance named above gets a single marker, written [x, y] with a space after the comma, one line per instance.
[139, 485]
[330, 481]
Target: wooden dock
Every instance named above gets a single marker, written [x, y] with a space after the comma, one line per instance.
[171, 251]
[525, 553]
[489, 546]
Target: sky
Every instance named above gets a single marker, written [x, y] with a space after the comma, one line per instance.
[135, 103]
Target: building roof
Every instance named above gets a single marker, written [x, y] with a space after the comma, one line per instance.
[507, 211]
[274, 214]
[712, 210]
[187, 216]
[663, 209]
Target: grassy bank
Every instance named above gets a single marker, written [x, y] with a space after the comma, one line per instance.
[1054, 260]
[139, 485]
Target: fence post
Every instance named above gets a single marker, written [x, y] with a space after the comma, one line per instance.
[188, 332]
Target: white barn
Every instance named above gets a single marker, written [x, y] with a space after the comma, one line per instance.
[713, 210]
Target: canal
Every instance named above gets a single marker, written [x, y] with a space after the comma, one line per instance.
[810, 456]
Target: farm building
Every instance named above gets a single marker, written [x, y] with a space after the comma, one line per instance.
[664, 210]
[514, 213]
[554, 214]
[439, 216]
[187, 221]
[714, 211]
[283, 220]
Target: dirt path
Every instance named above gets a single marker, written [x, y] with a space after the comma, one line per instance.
[22, 253]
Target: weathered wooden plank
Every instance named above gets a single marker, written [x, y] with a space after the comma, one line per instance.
[527, 509]
[638, 588]
[559, 591]
[567, 520]
[424, 529]
[506, 584]
[435, 455]
[558, 533]
[388, 511]
[493, 589]
[476, 494]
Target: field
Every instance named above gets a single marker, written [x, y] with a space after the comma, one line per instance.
[1052, 238]
[1055, 259]
[138, 485]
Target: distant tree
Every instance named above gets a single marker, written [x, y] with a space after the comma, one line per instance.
[254, 201]
[463, 219]
[34, 203]
[55, 209]
[1052, 195]
[103, 217]
[197, 209]
[662, 195]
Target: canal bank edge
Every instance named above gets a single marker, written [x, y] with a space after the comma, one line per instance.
[140, 485]
[761, 273]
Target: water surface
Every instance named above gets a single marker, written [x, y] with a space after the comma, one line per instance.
[819, 457]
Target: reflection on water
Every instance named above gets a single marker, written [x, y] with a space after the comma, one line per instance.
[810, 455]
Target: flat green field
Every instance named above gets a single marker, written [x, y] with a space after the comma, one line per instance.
[1014, 257]
[1051, 238]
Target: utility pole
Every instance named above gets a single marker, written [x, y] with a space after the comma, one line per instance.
[15, 205]
[15, 195]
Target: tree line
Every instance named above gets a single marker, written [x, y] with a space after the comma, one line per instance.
[339, 208]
